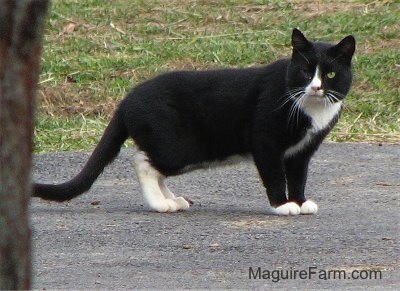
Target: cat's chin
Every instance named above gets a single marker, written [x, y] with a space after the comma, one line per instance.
[316, 97]
[292, 208]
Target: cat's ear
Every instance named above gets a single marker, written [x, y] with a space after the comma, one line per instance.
[299, 41]
[346, 48]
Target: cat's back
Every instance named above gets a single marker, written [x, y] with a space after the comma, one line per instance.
[236, 77]
[227, 84]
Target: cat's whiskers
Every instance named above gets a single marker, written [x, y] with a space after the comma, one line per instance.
[331, 99]
[328, 99]
[336, 95]
[290, 95]
[299, 98]
[302, 100]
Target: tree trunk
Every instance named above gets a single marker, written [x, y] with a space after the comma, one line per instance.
[21, 30]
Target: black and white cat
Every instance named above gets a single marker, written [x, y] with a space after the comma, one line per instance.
[278, 114]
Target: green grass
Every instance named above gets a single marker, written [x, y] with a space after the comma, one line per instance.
[95, 51]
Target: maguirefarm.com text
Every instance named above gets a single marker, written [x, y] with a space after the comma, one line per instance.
[312, 273]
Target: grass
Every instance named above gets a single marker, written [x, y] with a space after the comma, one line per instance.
[95, 51]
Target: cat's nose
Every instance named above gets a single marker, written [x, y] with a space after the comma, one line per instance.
[315, 88]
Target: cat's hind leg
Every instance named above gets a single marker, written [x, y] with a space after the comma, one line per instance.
[181, 201]
[151, 182]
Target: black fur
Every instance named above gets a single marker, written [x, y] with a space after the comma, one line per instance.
[183, 119]
[105, 152]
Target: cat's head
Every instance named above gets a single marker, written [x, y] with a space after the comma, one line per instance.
[320, 71]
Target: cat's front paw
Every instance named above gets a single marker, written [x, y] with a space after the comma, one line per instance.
[309, 207]
[289, 208]
[182, 203]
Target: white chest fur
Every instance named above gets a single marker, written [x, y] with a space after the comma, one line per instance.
[300, 145]
[321, 115]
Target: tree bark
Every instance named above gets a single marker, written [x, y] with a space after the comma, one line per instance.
[21, 30]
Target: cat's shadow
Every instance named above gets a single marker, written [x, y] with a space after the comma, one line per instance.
[56, 208]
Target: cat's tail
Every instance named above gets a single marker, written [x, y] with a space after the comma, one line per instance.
[108, 148]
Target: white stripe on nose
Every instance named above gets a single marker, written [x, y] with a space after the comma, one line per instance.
[315, 85]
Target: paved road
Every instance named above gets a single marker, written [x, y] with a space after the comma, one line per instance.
[109, 239]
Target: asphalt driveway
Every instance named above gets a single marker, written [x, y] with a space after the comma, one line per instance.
[109, 239]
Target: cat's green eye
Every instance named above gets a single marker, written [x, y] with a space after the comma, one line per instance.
[331, 75]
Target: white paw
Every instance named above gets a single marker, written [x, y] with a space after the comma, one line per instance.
[309, 207]
[182, 203]
[170, 205]
[173, 206]
[289, 208]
